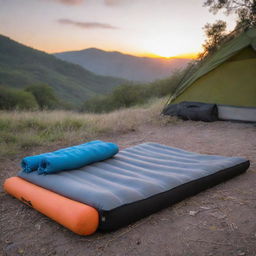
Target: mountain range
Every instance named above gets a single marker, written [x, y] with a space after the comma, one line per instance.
[116, 64]
[21, 66]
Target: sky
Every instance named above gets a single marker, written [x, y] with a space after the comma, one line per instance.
[165, 28]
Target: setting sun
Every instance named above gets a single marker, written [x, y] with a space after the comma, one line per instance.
[166, 52]
[161, 47]
[191, 55]
[169, 46]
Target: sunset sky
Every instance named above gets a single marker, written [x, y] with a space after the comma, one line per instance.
[140, 27]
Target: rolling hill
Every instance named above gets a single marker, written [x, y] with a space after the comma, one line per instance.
[21, 66]
[141, 69]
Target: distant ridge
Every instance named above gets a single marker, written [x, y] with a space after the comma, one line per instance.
[21, 66]
[142, 69]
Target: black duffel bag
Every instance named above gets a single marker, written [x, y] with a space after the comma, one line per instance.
[196, 111]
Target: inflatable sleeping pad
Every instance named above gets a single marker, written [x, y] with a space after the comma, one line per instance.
[136, 182]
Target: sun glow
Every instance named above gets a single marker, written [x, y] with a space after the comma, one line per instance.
[172, 53]
[190, 55]
[169, 46]
[162, 50]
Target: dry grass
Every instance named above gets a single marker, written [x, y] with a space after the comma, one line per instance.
[20, 131]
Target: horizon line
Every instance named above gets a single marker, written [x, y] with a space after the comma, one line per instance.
[190, 55]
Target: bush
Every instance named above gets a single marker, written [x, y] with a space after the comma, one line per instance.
[129, 94]
[164, 87]
[99, 104]
[44, 95]
[11, 99]
[132, 94]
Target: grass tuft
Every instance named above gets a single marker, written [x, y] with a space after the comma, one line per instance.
[21, 131]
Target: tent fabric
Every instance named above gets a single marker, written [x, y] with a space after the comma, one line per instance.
[234, 113]
[229, 49]
[137, 181]
[232, 83]
[69, 158]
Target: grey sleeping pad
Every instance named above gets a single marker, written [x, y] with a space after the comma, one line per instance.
[134, 174]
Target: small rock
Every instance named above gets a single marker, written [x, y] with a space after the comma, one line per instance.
[205, 207]
[20, 251]
[164, 219]
[43, 250]
[7, 241]
[213, 228]
[38, 226]
[138, 242]
[241, 253]
[218, 215]
[193, 213]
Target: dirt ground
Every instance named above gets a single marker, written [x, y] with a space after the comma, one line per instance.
[219, 221]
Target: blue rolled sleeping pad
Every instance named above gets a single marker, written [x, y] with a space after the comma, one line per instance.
[74, 158]
[69, 158]
[31, 163]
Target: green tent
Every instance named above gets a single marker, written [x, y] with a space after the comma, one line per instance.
[228, 77]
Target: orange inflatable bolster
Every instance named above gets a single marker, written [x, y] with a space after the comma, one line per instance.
[78, 217]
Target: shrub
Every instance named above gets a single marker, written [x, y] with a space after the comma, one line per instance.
[132, 94]
[44, 95]
[98, 104]
[11, 99]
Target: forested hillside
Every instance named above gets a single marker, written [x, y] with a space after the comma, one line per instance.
[22, 66]
[117, 64]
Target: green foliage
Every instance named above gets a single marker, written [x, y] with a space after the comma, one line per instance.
[99, 104]
[131, 94]
[164, 87]
[128, 95]
[215, 34]
[25, 130]
[11, 99]
[44, 96]
[45, 131]
[21, 66]
[244, 9]
[33, 97]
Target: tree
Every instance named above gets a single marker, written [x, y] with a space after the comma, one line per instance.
[44, 96]
[245, 10]
[13, 99]
[215, 34]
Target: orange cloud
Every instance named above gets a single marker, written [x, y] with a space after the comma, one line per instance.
[69, 2]
[116, 2]
[111, 2]
[106, 2]
[87, 25]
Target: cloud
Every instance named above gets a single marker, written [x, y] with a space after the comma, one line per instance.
[87, 25]
[106, 2]
[111, 2]
[118, 2]
[69, 2]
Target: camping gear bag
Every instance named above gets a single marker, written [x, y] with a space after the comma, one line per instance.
[196, 111]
